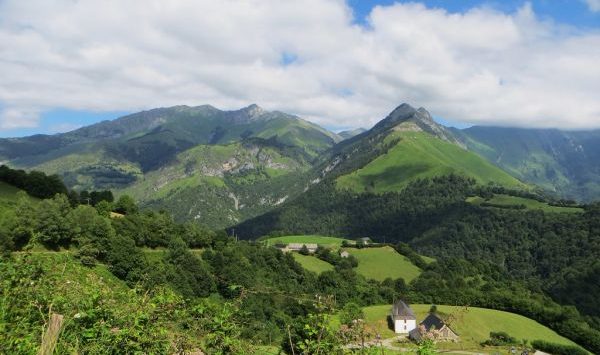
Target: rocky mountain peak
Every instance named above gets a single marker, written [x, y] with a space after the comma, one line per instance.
[247, 114]
[407, 118]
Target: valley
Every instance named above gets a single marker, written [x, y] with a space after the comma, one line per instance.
[245, 229]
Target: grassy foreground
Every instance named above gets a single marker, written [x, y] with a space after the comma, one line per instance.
[381, 263]
[473, 324]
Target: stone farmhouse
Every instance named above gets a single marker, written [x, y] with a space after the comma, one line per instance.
[433, 327]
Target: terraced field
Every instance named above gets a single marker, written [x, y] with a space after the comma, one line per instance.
[312, 263]
[381, 263]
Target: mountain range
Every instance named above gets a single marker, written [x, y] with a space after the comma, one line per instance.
[224, 167]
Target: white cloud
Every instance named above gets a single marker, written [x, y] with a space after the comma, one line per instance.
[594, 5]
[482, 66]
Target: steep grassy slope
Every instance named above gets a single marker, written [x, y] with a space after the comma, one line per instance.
[312, 263]
[421, 155]
[8, 192]
[381, 263]
[473, 324]
[566, 163]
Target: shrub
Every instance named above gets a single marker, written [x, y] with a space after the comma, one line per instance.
[557, 349]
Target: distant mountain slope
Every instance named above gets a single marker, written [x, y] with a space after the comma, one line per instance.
[145, 141]
[567, 163]
[351, 133]
[420, 155]
[220, 185]
[198, 162]
[407, 145]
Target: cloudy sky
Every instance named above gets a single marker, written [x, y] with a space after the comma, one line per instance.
[341, 64]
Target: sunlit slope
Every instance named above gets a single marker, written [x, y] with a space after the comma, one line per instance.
[421, 155]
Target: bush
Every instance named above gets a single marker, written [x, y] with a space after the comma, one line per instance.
[557, 349]
[500, 339]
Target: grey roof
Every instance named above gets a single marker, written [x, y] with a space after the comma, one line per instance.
[401, 309]
[433, 321]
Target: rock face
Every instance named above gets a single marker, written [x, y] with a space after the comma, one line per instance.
[247, 114]
[407, 118]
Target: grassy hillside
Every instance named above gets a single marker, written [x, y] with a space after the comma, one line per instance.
[473, 325]
[563, 162]
[308, 239]
[421, 155]
[8, 192]
[312, 263]
[506, 200]
[381, 263]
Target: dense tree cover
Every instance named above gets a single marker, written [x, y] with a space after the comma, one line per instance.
[273, 294]
[93, 197]
[545, 252]
[271, 290]
[35, 183]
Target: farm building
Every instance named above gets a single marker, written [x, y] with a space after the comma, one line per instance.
[403, 318]
[433, 327]
[297, 247]
[364, 241]
[344, 254]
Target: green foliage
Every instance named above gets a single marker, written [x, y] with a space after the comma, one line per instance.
[315, 334]
[126, 205]
[426, 347]
[104, 208]
[53, 227]
[304, 250]
[500, 339]
[221, 324]
[351, 313]
[35, 183]
[98, 316]
[558, 349]
[188, 274]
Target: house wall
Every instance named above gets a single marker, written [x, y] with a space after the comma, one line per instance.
[403, 326]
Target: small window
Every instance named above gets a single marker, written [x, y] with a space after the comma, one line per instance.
[404, 327]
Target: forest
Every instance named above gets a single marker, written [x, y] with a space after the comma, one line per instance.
[237, 294]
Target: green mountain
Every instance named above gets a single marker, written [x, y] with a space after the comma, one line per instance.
[198, 162]
[564, 162]
[405, 146]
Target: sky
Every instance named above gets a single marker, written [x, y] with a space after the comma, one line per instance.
[341, 64]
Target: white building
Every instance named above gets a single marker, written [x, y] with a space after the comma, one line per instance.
[403, 318]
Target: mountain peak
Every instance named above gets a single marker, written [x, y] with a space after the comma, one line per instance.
[247, 114]
[399, 115]
[407, 118]
[254, 110]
